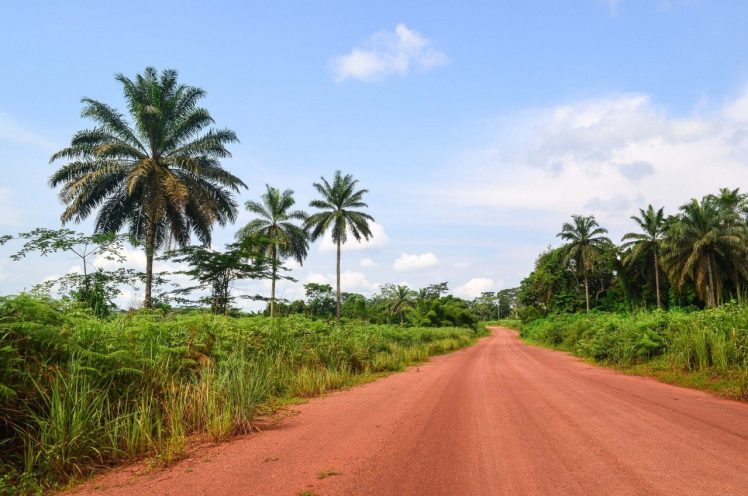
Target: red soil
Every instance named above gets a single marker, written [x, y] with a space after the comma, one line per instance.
[498, 418]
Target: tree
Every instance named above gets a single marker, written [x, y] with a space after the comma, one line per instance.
[158, 174]
[285, 239]
[585, 240]
[320, 301]
[703, 247]
[400, 300]
[215, 271]
[337, 213]
[647, 243]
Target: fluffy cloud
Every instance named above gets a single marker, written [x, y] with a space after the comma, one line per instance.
[474, 287]
[356, 282]
[388, 53]
[367, 262]
[407, 262]
[606, 157]
[378, 239]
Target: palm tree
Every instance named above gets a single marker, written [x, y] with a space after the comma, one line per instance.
[703, 247]
[285, 239]
[156, 173]
[732, 203]
[337, 214]
[648, 242]
[401, 300]
[585, 239]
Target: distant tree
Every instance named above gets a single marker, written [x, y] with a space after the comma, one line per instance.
[96, 289]
[285, 239]
[156, 174]
[215, 271]
[338, 213]
[584, 241]
[320, 300]
[647, 243]
[401, 300]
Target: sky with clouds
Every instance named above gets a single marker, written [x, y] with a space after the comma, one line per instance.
[478, 127]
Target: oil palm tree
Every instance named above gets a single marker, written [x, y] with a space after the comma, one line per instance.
[401, 300]
[337, 213]
[275, 223]
[157, 173]
[732, 203]
[584, 238]
[648, 242]
[701, 246]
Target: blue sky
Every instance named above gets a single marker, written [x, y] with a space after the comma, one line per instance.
[478, 127]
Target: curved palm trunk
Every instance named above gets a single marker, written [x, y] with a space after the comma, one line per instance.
[657, 280]
[149, 249]
[586, 291]
[337, 306]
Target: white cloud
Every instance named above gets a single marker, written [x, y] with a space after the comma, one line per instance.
[388, 53]
[474, 287]
[317, 278]
[605, 156]
[367, 262]
[377, 239]
[356, 282]
[408, 262]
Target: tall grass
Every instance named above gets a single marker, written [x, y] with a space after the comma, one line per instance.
[79, 393]
[711, 342]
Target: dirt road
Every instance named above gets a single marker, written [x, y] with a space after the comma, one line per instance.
[499, 418]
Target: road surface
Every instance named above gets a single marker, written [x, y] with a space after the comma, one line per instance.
[498, 418]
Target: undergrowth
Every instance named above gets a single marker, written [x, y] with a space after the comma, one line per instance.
[706, 349]
[78, 393]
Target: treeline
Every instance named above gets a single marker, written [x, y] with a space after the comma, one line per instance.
[696, 257]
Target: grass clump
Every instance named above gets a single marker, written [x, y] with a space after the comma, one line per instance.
[79, 392]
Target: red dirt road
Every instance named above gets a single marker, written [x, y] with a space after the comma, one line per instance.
[498, 418]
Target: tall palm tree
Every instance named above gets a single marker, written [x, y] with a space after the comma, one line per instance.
[702, 247]
[401, 300]
[157, 173]
[274, 222]
[337, 214]
[648, 242]
[585, 239]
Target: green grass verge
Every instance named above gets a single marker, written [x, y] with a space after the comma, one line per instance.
[705, 350]
[81, 393]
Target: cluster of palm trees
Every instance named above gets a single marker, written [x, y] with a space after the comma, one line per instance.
[705, 244]
[158, 175]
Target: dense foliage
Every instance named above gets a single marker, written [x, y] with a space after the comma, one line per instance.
[697, 257]
[79, 392]
[712, 341]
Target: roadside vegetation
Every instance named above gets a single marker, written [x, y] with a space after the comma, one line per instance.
[82, 392]
[85, 384]
[669, 301]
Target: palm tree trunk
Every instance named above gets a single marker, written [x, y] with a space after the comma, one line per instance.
[587, 291]
[150, 241]
[337, 307]
[711, 295]
[274, 276]
[657, 280]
